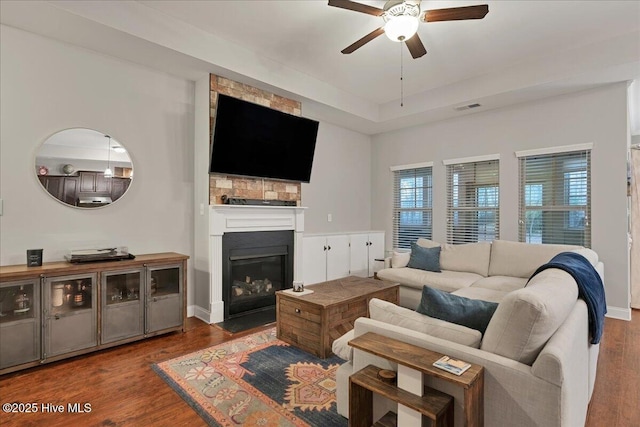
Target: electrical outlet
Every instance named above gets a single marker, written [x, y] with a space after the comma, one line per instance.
[329, 218]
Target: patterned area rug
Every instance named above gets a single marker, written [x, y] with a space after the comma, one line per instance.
[256, 380]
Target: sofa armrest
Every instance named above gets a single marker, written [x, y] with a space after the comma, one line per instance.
[565, 357]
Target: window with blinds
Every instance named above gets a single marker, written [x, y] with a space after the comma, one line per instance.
[555, 198]
[473, 202]
[412, 207]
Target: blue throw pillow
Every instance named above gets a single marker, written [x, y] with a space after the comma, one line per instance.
[425, 258]
[472, 313]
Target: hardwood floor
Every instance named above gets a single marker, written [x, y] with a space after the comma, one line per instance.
[124, 391]
[616, 396]
[118, 383]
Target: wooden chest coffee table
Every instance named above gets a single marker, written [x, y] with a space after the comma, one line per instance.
[313, 321]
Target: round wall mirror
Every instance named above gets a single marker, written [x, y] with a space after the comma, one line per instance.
[84, 168]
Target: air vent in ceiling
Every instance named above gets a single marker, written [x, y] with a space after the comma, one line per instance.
[467, 107]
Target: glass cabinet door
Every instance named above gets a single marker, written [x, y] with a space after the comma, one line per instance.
[164, 297]
[122, 305]
[19, 322]
[70, 313]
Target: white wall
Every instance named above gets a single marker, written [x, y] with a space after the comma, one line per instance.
[48, 86]
[340, 182]
[597, 116]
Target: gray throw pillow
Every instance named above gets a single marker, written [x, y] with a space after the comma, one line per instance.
[472, 313]
[425, 258]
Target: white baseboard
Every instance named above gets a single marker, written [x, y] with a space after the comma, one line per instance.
[191, 309]
[214, 316]
[618, 313]
[202, 314]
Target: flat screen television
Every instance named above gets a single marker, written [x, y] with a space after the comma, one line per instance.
[253, 140]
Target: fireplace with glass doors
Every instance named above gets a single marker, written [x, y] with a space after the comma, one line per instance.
[254, 266]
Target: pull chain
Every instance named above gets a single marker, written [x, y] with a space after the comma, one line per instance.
[401, 75]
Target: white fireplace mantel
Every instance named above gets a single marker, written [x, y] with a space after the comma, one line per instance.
[242, 218]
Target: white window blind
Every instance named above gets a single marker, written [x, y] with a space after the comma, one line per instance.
[555, 198]
[473, 201]
[412, 207]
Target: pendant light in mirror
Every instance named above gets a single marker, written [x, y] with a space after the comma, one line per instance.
[108, 173]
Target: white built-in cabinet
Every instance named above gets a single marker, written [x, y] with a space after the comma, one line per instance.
[365, 248]
[325, 258]
[331, 256]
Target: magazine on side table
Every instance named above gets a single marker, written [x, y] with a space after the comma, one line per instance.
[449, 364]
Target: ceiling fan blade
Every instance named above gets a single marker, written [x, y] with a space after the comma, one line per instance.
[357, 7]
[366, 39]
[416, 47]
[456, 13]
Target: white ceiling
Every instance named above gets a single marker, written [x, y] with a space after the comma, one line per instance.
[521, 51]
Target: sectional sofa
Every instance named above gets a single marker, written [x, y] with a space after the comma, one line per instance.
[539, 364]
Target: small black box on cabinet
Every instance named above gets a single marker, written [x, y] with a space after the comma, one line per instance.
[34, 257]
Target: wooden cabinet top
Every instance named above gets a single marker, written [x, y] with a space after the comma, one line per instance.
[340, 291]
[21, 271]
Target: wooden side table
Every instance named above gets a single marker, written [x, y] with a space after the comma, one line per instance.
[435, 405]
[413, 361]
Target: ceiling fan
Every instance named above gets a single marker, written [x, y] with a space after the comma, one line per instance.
[402, 18]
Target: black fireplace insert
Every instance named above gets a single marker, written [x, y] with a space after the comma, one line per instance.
[254, 266]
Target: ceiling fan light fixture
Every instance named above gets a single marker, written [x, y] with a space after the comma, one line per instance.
[401, 28]
[401, 19]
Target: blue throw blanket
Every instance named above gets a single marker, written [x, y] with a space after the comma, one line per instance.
[590, 287]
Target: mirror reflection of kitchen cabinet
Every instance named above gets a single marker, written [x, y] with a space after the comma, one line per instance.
[19, 322]
[118, 187]
[62, 188]
[123, 300]
[70, 189]
[53, 184]
[164, 297]
[70, 314]
[94, 182]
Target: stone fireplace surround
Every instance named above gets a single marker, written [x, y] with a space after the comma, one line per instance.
[242, 218]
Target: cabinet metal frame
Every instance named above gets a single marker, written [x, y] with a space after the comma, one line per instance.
[49, 318]
[18, 325]
[154, 302]
[125, 306]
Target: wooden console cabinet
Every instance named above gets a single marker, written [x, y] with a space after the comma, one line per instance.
[62, 310]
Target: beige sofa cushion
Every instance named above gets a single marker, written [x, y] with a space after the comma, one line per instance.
[521, 259]
[469, 257]
[400, 259]
[446, 280]
[426, 243]
[526, 318]
[390, 313]
[501, 283]
[484, 294]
